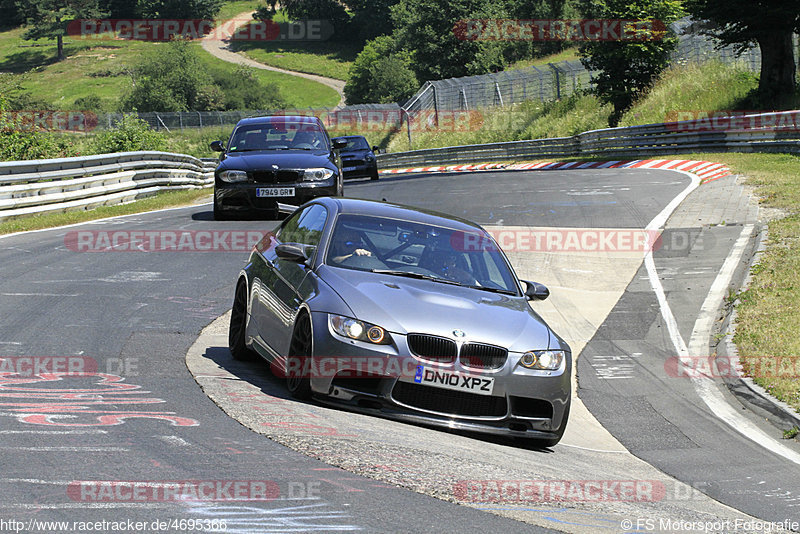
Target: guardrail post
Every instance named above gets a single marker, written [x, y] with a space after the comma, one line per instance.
[558, 80]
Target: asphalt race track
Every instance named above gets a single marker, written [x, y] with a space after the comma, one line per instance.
[129, 432]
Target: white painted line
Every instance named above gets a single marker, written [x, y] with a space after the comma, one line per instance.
[104, 220]
[54, 432]
[698, 346]
[40, 294]
[66, 449]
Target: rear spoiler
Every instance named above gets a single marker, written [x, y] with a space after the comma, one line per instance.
[287, 208]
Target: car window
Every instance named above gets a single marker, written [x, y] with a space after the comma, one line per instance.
[304, 227]
[279, 134]
[375, 243]
[356, 143]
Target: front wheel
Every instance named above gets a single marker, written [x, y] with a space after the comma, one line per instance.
[300, 349]
[238, 326]
[374, 175]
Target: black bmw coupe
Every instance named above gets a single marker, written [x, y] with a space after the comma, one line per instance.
[288, 159]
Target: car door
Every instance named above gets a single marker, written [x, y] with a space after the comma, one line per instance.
[287, 287]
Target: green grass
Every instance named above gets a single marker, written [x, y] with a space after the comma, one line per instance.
[569, 54]
[166, 199]
[231, 9]
[711, 86]
[325, 58]
[100, 68]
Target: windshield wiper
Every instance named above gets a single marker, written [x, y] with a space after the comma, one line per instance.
[420, 276]
[494, 290]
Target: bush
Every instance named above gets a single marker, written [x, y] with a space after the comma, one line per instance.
[128, 135]
[89, 103]
[17, 144]
[168, 79]
[243, 90]
[380, 74]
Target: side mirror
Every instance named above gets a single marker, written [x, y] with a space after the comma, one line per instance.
[216, 146]
[339, 144]
[535, 290]
[293, 252]
[375, 148]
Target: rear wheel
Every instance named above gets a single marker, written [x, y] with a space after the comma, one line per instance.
[300, 350]
[236, 331]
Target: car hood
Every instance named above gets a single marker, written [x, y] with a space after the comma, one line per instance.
[404, 305]
[289, 159]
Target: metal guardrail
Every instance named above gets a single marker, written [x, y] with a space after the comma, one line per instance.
[632, 141]
[57, 185]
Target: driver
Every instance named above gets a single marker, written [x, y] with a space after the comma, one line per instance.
[346, 245]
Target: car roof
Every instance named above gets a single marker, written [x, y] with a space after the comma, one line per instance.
[397, 211]
[289, 118]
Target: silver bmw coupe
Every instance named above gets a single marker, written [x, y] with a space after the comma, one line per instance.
[402, 313]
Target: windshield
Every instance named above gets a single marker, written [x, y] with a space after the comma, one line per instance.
[410, 249]
[281, 134]
[356, 143]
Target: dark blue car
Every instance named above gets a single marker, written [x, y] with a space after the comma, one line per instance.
[358, 159]
[287, 159]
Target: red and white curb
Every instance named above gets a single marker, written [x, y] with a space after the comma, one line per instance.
[707, 171]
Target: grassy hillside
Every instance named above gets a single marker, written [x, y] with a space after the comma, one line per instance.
[711, 86]
[101, 68]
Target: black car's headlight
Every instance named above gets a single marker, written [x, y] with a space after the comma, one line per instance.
[369, 157]
[316, 175]
[233, 176]
[548, 360]
[355, 329]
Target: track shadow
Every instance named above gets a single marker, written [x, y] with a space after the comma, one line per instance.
[257, 373]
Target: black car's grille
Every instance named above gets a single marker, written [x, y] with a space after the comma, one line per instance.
[448, 402]
[263, 177]
[281, 176]
[288, 176]
[434, 348]
[480, 356]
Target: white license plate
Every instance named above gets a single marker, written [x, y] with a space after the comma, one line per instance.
[347, 169]
[275, 191]
[427, 376]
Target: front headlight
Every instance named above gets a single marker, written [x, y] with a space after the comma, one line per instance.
[369, 157]
[233, 176]
[355, 329]
[317, 175]
[547, 360]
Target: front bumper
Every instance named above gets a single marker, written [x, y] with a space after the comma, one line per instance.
[241, 197]
[359, 169]
[522, 404]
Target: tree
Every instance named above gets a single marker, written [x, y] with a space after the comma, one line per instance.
[371, 18]
[179, 9]
[380, 74]
[168, 79]
[329, 10]
[47, 19]
[770, 23]
[426, 28]
[12, 14]
[629, 67]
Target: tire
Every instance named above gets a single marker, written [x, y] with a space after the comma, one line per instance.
[219, 215]
[236, 331]
[374, 175]
[299, 386]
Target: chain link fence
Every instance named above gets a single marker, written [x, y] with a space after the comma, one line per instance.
[543, 83]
